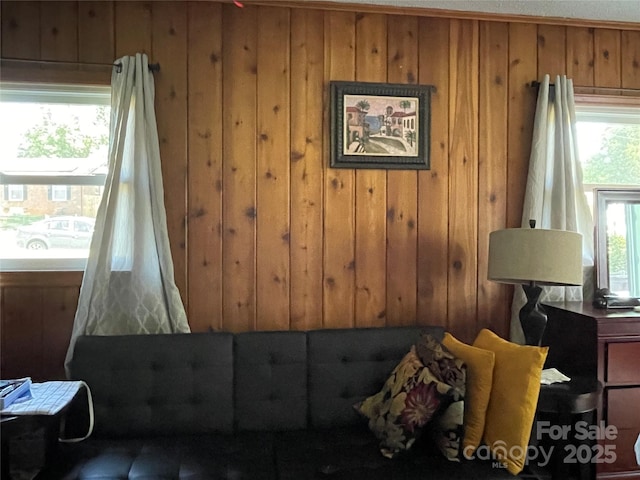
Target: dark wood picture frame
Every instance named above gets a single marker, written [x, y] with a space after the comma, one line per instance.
[380, 125]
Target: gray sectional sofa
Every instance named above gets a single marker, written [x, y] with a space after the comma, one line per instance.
[256, 405]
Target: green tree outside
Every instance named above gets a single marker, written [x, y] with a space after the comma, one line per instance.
[618, 162]
[57, 134]
[53, 139]
[617, 254]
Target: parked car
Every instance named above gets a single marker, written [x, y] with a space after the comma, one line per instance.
[56, 232]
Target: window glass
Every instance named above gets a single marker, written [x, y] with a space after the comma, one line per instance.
[609, 150]
[609, 145]
[15, 193]
[54, 145]
[59, 193]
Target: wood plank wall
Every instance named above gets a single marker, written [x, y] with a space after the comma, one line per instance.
[263, 234]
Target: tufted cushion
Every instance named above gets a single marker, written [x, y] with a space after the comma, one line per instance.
[198, 457]
[153, 384]
[271, 380]
[348, 365]
[310, 454]
[351, 453]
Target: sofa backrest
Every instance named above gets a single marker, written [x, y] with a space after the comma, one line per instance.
[270, 380]
[158, 384]
[261, 381]
[346, 366]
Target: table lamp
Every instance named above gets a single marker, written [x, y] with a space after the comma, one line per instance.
[535, 257]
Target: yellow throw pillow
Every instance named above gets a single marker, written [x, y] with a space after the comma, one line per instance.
[514, 396]
[479, 364]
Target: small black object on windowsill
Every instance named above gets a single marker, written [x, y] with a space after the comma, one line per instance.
[604, 299]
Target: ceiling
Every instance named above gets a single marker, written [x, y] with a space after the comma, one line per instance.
[627, 11]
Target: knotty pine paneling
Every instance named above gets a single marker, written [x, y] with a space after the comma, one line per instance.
[35, 325]
[579, 55]
[272, 170]
[96, 32]
[339, 200]
[433, 184]
[630, 59]
[307, 169]
[549, 38]
[463, 177]
[132, 24]
[402, 187]
[370, 188]
[21, 30]
[204, 175]
[22, 313]
[169, 47]
[521, 112]
[59, 31]
[492, 164]
[239, 127]
[607, 59]
[263, 234]
[58, 308]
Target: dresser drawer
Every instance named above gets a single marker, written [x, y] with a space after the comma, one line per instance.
[622, 407]
[623, 413]
[625, 458]
[623, 362]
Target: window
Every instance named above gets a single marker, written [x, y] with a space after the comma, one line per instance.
[59, 193]
[609, 143]
[53, 163]
[15, 193]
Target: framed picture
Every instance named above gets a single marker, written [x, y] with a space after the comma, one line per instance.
[380, 125]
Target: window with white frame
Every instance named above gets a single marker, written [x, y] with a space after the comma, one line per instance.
[59, 193]
[609, 149]
[15, 193]
[53, 163]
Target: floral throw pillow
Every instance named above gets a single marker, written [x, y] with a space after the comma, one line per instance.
[408, 400]
[447, 428]
[442, 363]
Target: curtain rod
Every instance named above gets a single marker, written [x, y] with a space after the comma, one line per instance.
[153, 67]
[536, 84]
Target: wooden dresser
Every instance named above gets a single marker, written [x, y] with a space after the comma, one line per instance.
[584, 340]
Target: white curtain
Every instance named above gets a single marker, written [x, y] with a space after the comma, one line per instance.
[128, 285]
[554, 196]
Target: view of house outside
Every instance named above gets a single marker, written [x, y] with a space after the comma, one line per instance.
[62, 148]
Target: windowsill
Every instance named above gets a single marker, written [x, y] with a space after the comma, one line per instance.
[42, 264]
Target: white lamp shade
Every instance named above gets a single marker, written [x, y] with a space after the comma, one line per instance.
[546, 257]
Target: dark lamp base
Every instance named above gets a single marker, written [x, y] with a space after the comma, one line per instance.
[533, 318]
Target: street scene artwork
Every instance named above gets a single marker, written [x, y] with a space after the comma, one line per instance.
[380, 125]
